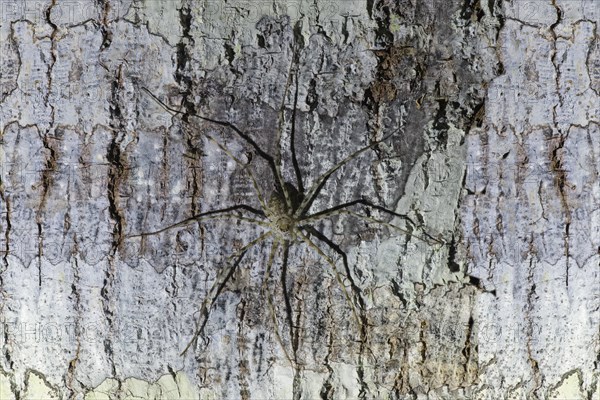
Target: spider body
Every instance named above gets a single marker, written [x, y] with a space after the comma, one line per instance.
[281, 216]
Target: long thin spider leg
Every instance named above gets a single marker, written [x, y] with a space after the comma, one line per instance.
[218, 286]
[242, 165]
[223, 213]
[363, 202]
[293, 140]
[374, 220]
[292, 76]
[276, 172]
[333, 246]
[272, 253]
[281, 116]
[265, 291]
[367, 203]
[281, 123]
[288, 304]
[338, 277]
[320, 182]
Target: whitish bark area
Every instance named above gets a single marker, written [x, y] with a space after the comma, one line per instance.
[89, 158]
[531, 216]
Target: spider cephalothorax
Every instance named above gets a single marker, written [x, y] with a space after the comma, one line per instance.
[287, 220]
[282, 216]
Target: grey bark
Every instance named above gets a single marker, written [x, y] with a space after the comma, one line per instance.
[489, 289]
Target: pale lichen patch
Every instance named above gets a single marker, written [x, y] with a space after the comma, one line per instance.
[6, 392]
[568, 388]
[37, 387]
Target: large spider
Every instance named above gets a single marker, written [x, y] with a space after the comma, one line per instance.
[287, 216]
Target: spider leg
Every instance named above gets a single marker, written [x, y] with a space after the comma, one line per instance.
[316, 187]
[292, 142]
[288, 303]
[218, 286]
[273, 166]
[333, 246]
[338, 277]
[291, 72]
[315, 218]
[265, 290]
[223, 213]
[242, 165]
[363, 202]
[367, 203]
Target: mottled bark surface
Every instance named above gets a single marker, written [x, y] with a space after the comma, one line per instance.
[489, 289]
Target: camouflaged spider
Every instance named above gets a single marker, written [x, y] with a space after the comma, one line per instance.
[286, 215]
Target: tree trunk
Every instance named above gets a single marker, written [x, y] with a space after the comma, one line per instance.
[178, 199]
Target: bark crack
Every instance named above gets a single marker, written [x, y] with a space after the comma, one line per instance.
[555, 157]
[6, 200]
[106, 32]
[51, 161]
[327, 391]
[243, 371]
[593, 43]
[529, 329]
[76, 295]
[116, 173]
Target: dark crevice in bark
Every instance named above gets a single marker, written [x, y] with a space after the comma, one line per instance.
[14, 389]
[297, 384]
[453, 266]
[8, 90]
[229, 52]
[3, 300]
[104, 30]
[423, 342]
[47, 180]
[594, 45]
[51, 161]
[383, 36]
[115, 160]
[468, 9]
[242, 361]
[184, 60]
[529, 330]
[440, 123]
[476, 119]
[115, 176]
[466, 352]
[48, 15]
[560, 182]
[77, 332]
[195, 170]
[258, 352]
[397, 291]
[6, 348]
[555, 157]
[7, 204]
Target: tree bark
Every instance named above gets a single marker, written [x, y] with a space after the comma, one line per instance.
[468, 130]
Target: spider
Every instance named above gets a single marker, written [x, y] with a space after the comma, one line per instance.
[287, 216]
